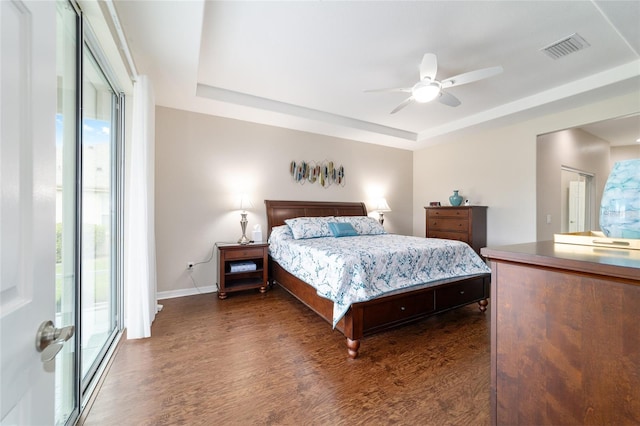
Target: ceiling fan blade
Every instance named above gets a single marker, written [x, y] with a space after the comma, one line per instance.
[395, 89]
[403, 104]
[428, 66]
[448, 99]
[471, 76]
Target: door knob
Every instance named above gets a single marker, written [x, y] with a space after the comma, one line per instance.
[49, 339]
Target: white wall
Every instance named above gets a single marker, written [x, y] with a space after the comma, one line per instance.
[497, 168]
[204, 162]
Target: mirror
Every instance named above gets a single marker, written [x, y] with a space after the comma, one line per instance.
[581, 154]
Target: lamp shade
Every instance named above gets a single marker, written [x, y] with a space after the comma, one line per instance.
[245, 202]
[382, 206]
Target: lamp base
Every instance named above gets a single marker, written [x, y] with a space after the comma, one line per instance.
[243, 226]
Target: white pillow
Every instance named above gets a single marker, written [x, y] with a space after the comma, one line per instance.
[364, 225]
[310, 227]
[282, 232]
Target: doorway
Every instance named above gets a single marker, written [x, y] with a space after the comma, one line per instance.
[578, 206]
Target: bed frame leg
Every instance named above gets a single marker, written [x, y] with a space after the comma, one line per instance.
[352, 348]
[483, 305]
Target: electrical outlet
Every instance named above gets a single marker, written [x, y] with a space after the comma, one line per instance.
[190, 265]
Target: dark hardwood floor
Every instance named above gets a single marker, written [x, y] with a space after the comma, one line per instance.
[256, 359]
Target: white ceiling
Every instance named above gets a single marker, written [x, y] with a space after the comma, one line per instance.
[305, 65]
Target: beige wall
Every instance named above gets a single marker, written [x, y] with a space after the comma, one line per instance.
[204, 162]
[497, 168]
[621, 153]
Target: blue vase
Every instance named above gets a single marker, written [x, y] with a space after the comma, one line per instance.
[455, 199]
[620, 205]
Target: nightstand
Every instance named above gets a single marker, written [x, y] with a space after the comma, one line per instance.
[242, 267]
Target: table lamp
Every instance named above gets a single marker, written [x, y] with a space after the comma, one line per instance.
[381, 207]
[245, 204]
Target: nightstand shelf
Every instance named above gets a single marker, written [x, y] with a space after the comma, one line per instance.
[229, 281]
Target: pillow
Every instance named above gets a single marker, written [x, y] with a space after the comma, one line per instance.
[282, 232]
[364, 225]
[310, 227]
[342, 229]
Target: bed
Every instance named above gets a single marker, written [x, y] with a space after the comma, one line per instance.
[390, 309]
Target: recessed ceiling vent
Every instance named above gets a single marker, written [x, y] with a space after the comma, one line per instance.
[566, 46]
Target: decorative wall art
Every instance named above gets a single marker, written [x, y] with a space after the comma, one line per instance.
[324, 173]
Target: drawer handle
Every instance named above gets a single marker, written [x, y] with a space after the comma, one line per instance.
[461, 291]
[402, 308]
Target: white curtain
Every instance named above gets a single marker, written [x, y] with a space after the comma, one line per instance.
[139, 244]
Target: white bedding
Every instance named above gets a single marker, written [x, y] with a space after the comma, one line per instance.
[354, 269]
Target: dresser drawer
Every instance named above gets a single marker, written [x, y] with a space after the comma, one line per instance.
[449, 235]
[459, 294]
[448, 224]
[448, 212]
[245, 253]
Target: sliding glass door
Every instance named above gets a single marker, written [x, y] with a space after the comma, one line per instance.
[99, 207]
[88, 211]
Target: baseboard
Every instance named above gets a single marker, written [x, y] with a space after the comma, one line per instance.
[185, 292]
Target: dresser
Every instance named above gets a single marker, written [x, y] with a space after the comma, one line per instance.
[565, 346]
[464, 223]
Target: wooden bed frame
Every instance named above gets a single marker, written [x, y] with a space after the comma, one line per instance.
[382, 313]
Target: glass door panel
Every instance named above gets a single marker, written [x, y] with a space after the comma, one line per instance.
[99, 234]
[66, 401]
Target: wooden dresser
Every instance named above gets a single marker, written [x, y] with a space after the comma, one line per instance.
[464, 223]
[565, 339]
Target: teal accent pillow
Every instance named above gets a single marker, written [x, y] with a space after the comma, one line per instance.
[342, 229]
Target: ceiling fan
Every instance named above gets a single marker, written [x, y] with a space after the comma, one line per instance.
[429, 89]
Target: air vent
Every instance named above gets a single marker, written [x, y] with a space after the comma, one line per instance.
[566, 46]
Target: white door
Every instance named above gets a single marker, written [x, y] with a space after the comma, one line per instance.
[27, 207]
[577, 206]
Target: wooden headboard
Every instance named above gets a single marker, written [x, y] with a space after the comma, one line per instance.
[278, 211]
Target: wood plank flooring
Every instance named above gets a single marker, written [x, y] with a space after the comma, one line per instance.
[256, 359]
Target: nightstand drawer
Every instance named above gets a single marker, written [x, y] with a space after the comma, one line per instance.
[448, 224]
[244, 253]
[448, 212]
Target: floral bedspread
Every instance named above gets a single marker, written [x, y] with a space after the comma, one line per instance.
[354, 269]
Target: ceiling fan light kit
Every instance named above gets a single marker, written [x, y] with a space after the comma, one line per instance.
[429, 89]
[425, 91]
